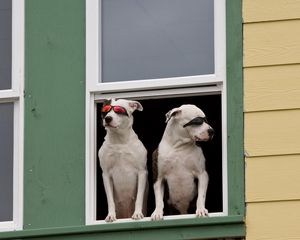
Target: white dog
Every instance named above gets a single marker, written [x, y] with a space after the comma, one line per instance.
[180, 161]
[123, 160]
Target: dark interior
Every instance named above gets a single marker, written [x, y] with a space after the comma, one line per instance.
[149, 126]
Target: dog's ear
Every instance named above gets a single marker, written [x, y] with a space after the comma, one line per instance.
[135, 105]
[172, 113]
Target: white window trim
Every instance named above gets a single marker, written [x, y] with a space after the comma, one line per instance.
[15, 95]
[153, 88]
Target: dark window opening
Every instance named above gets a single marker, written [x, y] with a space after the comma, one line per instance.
[149, 126]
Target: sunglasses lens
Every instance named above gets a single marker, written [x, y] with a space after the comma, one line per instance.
[195, 122]
[106, 108]
[119, 109]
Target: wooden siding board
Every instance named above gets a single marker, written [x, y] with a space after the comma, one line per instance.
[272, 43]
[272, 88]
[270, 10]
[273, 220]
[273, 178]
[272, 133]
[271, 78]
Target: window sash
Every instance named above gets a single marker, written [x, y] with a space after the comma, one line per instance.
[93, 57]
[91, 137]
[14, 95]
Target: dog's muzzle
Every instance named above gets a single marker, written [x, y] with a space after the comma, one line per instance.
[108, 119]
[211, 133]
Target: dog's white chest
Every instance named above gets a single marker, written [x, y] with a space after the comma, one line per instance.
[122, 164]
[183, 162]
[118, 157]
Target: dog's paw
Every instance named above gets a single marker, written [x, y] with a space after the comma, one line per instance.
[157, 215]
[201, 212]
[137, 215]
[111, 217]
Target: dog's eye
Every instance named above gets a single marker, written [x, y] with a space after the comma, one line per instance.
[120, 110]
[106, 108]
[196, 122]
[117, 109]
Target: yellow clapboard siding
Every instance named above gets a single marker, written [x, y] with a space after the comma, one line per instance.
[270, 10]
[272, 43]
[272, 133]
[273, 178]
[272, 88]
[273, 221]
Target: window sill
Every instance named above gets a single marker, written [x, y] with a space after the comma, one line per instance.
[200, 228]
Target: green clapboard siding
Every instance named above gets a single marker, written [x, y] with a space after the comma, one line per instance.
[54, 113]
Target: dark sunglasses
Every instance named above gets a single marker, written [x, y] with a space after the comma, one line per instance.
[117, 109]
[196, 121]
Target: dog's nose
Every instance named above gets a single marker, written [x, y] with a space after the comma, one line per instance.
[211, 132]
[108, 119]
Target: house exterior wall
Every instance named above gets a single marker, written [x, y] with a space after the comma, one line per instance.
[55, 69]
[272, 113]
[54, 138]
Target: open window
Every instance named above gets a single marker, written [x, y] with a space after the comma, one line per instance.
[164, 54]
[149, 126]
[11, 109]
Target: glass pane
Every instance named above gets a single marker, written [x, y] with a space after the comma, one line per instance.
[5, 44]
[6, 161]
[144, 39]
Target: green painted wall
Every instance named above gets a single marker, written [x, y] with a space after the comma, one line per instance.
[54, 113]
[235, 111]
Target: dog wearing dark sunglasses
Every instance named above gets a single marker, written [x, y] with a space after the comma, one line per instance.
[180, 161]
[123, 160]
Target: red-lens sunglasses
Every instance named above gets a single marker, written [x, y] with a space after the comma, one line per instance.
[117, 109]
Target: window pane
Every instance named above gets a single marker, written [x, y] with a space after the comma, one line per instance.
[144, 39]
[6, 161]
[5, 44]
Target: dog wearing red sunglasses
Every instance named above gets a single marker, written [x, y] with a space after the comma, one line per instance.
[123, 159]
[180, 161]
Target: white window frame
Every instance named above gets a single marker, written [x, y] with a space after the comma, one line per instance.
[15, 96]
[146, 89]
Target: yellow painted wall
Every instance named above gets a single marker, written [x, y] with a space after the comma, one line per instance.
[272, 118]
